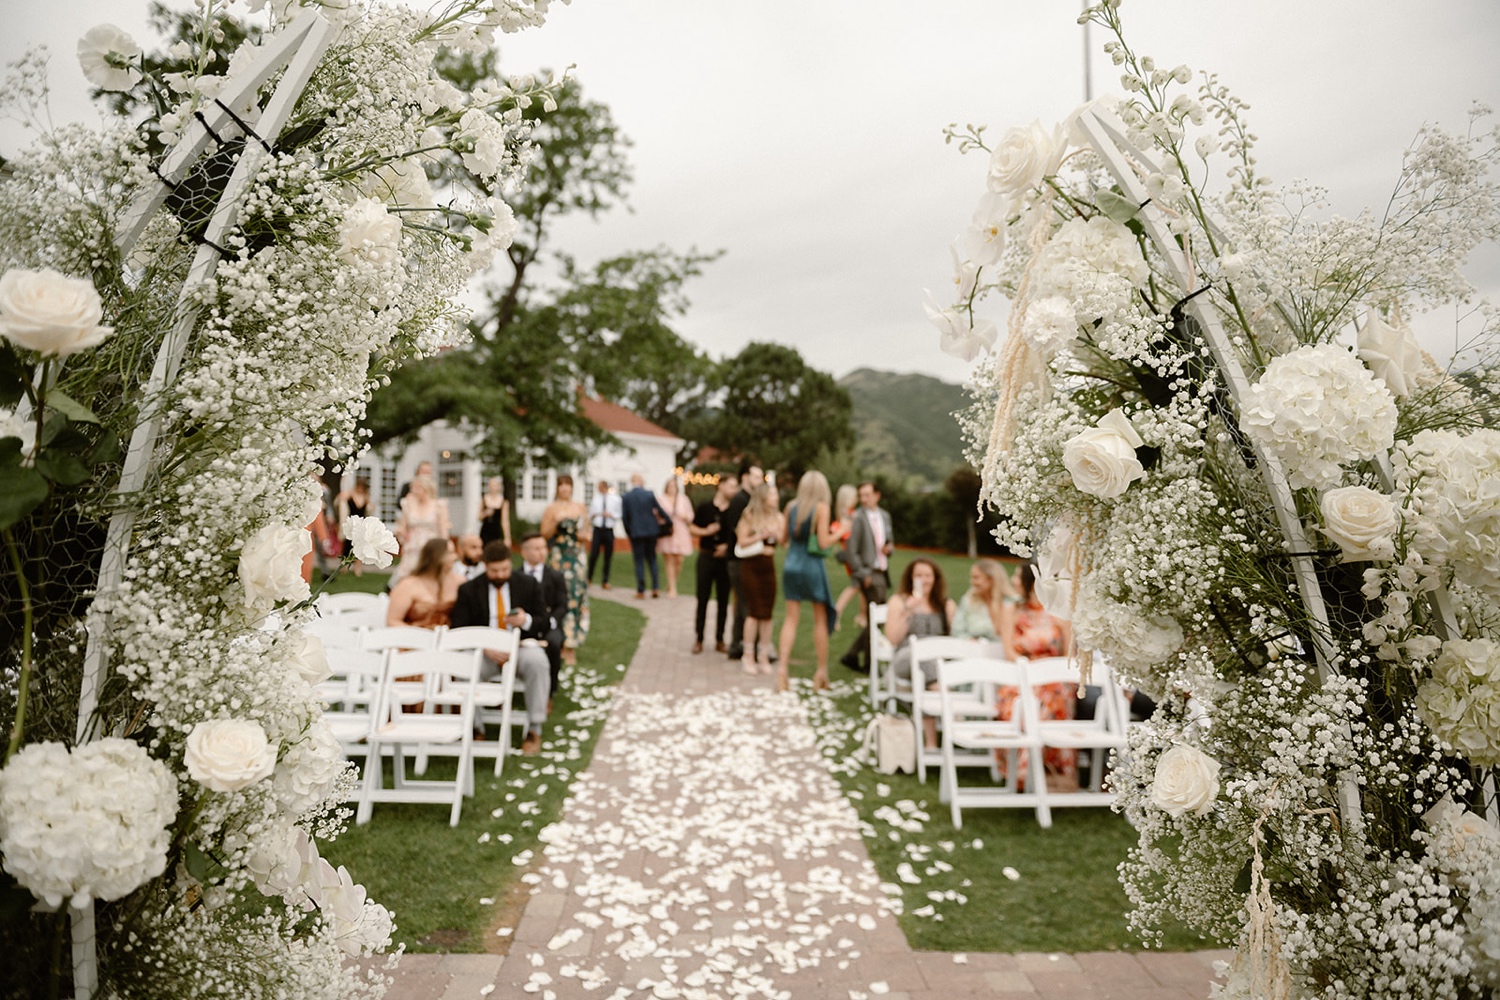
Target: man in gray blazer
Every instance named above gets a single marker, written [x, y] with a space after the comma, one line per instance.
[868, 556]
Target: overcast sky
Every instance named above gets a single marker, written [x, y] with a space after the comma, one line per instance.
[803, 137]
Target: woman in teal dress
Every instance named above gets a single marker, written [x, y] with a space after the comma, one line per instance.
[804, 576]
[565, 525]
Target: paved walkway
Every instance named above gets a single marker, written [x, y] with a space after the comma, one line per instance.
[706, 853]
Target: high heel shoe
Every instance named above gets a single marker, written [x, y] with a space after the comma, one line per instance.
[782, 683]
[820, 681]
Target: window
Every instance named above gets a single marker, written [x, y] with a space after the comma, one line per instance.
[588, 490]
[450, 475]
[622, 487]
[388, 493]
[540, 485]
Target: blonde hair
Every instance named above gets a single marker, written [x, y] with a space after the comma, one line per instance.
[844, 502]
[761, 511]
[1001, 587]
[426, 484]
[811, 491]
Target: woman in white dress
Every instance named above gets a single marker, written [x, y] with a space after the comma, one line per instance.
[423, 517]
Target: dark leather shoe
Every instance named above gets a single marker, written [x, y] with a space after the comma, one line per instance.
[532, 744]
[854, 665]
[655, 593]
[719, 647]
[605, 585]
[698, 647]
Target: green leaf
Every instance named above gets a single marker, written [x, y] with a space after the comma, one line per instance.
[14, 374]
[201, 866]
[58, 432]
[1116, 206]
[71, 408]
[21, 492]
[105, 450]
[62, 468]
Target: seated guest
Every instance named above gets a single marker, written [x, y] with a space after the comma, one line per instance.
[502, 599]
[1039, 633]
[425, 596]
[988, 608]
[554, 596]
[920, 607]
[470, 558]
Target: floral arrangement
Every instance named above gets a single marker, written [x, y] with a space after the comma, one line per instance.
[1249, 488]
[185, 798]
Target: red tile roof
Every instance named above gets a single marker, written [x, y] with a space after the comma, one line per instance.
[618, 420]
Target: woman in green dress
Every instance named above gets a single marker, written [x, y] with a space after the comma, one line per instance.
[565, 525]
[804, 577]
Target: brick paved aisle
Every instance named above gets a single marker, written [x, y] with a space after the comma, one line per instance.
[706, 852]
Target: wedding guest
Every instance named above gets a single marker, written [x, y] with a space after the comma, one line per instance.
[423, 517]
[424, 597]
[604, 514]
[807, 532]
[554, 595]
[751, 476]
[868, 558]
[494, 514]
[844, 503]
[714, 544]
[678, 545]
[756, 535]
[644, 520]
[988, 608]
[920, 607]
[424, 468]
[1039, 633]
[353, 502]
[565, 526]
[502, 598]
[470, 558]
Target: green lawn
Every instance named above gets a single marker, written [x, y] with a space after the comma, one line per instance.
[1065, 896]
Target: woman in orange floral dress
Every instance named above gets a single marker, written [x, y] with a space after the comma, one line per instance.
[1039, 634]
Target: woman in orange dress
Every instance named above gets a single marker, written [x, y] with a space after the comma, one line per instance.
[1037, 634]
[425, 596]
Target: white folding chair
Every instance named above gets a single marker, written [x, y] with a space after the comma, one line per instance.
[402, 637]
[880, 652]
[1096, 736]
[927, 649]
[336, 632]
[353, 687]
[492, 698]
[456, 673]
[355, 608]
[962, 686]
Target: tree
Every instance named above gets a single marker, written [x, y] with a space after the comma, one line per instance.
[781, 410]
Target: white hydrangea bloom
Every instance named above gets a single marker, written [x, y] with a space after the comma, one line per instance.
[1461, 700]
[372, 542]
[309, 770]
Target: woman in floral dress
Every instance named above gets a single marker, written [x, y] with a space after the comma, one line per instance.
[565, 525]
[1040, 634]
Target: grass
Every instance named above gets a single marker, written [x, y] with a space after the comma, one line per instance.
[450, 887]
[1066, 896]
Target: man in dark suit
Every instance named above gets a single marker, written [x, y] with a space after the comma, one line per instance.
[868, 554]
[643, 517]
[502, 599]
[554, 596]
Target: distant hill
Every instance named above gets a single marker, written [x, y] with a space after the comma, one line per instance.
[905, 425]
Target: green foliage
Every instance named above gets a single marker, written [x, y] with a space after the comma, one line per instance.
[780, 410]
[907, 431]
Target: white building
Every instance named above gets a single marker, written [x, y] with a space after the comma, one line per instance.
[644, 448]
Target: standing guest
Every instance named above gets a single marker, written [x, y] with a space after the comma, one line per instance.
[644, 519]
[679, 544]
[494, 514]
[554, 595]
[353, 502]
[604, 514]
[844, 503]
[987, 610]
[920, 608]
[1039, 633]
[868, 559]
[804, 577]
[423, 517]
[503, 599]
[425, 596]
[424, 468]
[470, 558]
[565, 525]
[756, 535]
[750, 477]
[714, 544]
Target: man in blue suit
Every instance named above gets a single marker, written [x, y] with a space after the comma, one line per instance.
[644, 522]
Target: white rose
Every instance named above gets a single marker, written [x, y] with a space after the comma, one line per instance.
[1102, 459]
[103, 53]
[225, 755]
[50, 312]
[1187, 781]
[371, 541]
[369, 231]
[1392, 354]
[271, 565]
[306, 655]
[1024, 157]
[1362, 521]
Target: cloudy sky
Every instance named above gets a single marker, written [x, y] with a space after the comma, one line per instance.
[803, 137]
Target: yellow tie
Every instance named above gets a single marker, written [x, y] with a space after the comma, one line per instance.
[500, 607]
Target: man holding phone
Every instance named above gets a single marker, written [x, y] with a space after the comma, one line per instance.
[503, 599]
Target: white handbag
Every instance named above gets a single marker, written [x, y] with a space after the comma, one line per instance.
[755, 548]
[891, 744]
